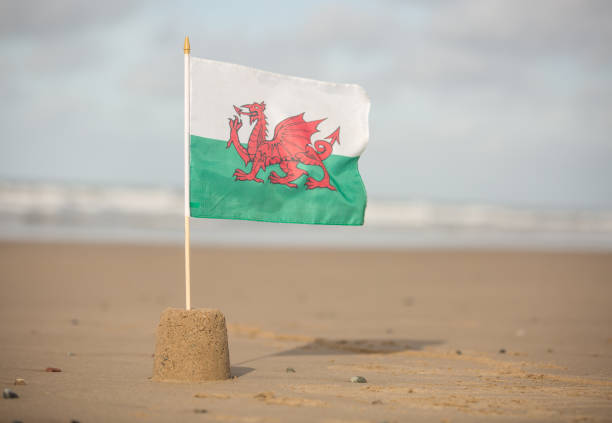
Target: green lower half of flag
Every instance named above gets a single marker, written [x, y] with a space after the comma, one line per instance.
[215, 194]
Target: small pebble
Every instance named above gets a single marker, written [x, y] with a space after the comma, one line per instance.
[53, 369]
[376, 402]
[502, 351]
[74, 421]
[7, 393]
[20, 381]
[75, 322]
[458, 352]
[200, 411]
[550, 350]
[290, 370]
[71, 354]
[358, 379]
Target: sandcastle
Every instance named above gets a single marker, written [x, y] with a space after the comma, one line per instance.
[191, 346]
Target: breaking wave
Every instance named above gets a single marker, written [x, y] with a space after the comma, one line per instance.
[40, 211]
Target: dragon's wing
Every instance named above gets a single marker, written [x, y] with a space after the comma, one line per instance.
[294, 133]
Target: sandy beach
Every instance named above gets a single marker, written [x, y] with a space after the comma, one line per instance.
[440, 336]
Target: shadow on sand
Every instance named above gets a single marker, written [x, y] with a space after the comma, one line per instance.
[237, 371]
[322, 346]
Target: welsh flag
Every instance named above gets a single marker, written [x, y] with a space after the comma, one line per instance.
[275, 148]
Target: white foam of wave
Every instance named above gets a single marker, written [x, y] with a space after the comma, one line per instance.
[154, 206]
[50, 199]
[479, 216]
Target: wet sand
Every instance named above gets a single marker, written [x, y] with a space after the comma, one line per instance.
[425, 328]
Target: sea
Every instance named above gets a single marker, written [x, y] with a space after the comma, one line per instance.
[53, 212]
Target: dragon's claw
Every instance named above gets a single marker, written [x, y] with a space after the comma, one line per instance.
[235, 123]
[276, 179]
[273, 177]
[313, 183]
[241, 175]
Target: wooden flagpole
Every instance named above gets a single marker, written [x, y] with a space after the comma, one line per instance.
[186, 50]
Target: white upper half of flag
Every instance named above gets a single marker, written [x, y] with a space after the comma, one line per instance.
[216, 87]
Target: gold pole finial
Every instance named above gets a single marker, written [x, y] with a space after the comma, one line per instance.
[187, 48]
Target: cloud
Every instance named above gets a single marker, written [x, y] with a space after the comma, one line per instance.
[547, 27]
[502, 101]
[42, 18]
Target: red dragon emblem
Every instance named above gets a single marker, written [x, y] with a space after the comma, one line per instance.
[290, 146]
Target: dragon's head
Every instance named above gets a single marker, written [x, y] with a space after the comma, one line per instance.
[255, 111]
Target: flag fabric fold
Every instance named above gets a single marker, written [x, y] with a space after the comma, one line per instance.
[275, 148]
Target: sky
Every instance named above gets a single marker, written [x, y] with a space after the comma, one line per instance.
[496, 102]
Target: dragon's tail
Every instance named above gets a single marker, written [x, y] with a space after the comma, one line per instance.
[324, 148]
